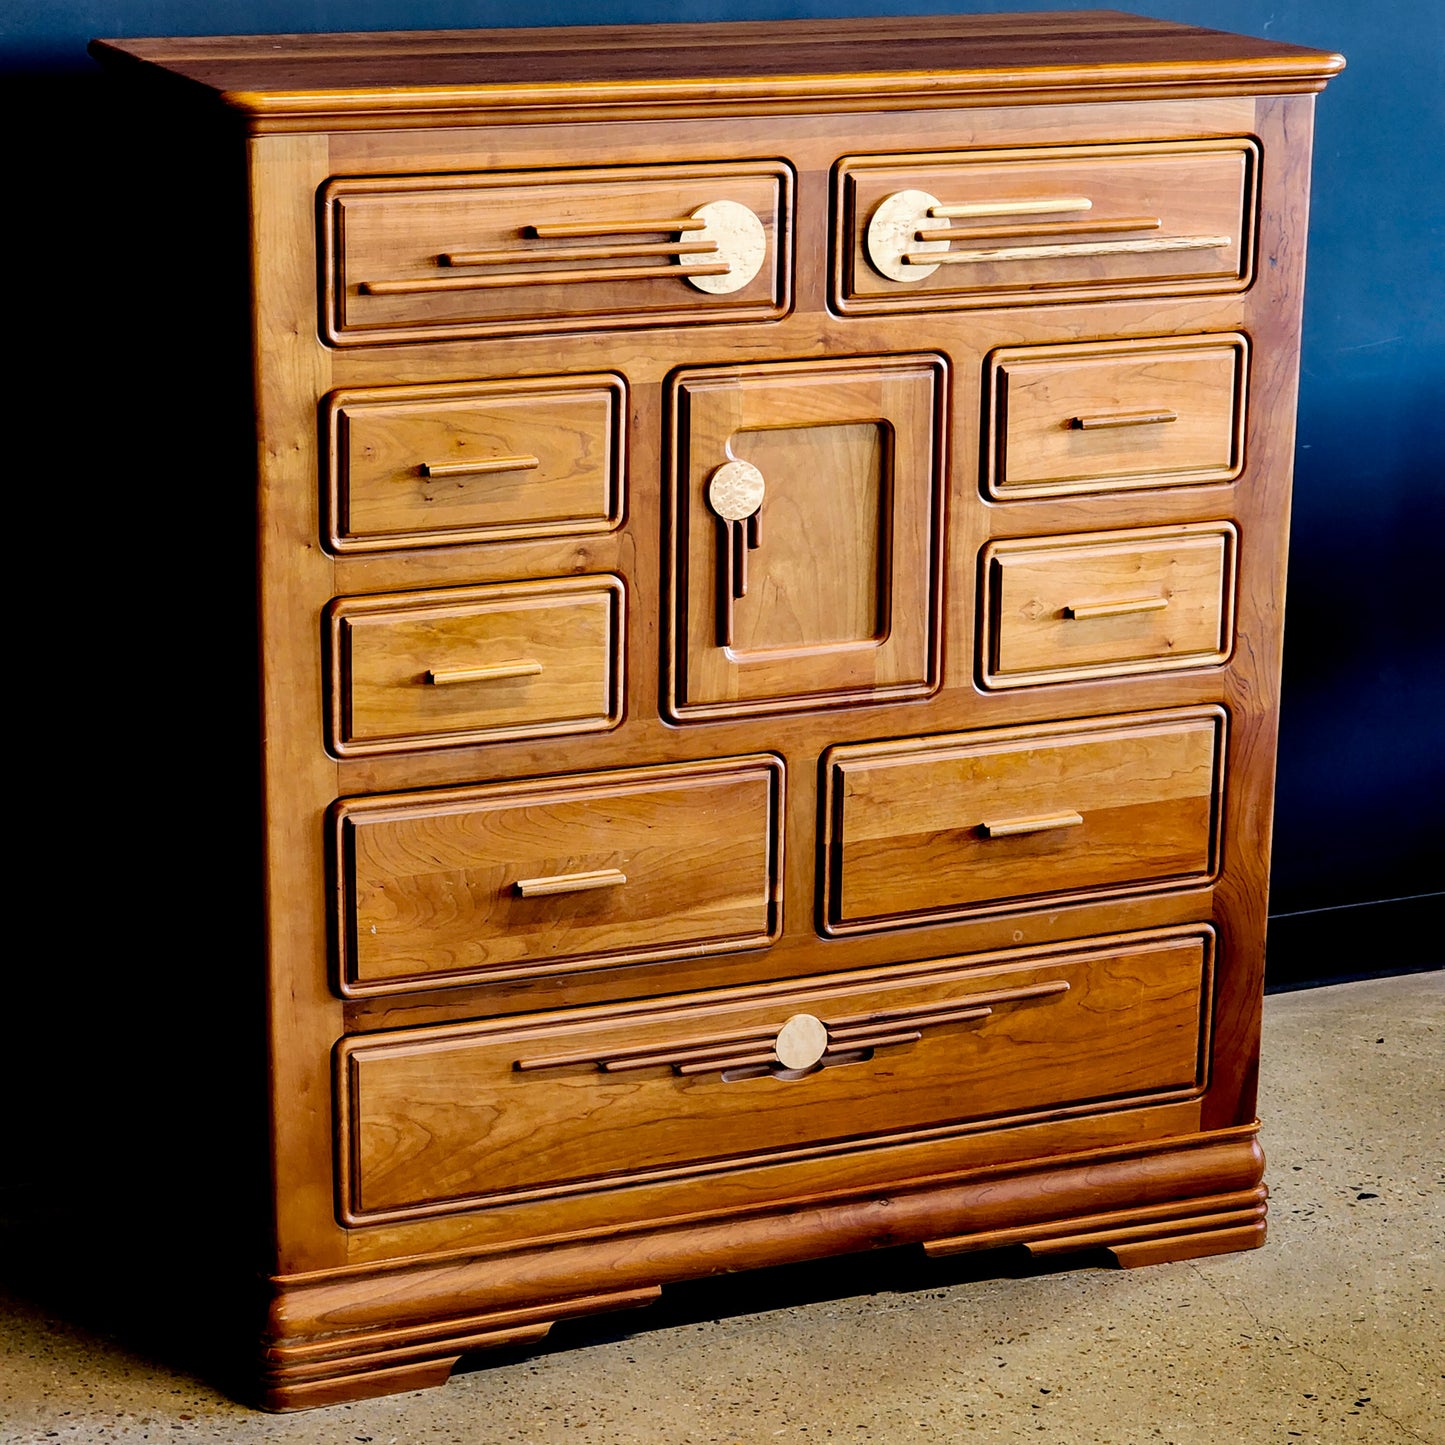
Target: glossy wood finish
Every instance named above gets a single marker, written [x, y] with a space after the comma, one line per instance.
[431, 465]
[565, 874]
[1103, 603]
[1109, 415]
[739, 755]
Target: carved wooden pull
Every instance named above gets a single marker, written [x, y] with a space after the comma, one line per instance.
[1083, 611]
[803, 1042]
[1042, 823]
[1085, 248]
[482, 467]
[735, 493]
[1122, 418]
[569, 883]
[904, 247]
[719, 248]
[497, 672]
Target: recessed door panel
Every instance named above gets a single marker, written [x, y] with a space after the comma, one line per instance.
[807, 512]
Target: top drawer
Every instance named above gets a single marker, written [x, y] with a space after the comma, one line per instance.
[412, 258]
[989, 228]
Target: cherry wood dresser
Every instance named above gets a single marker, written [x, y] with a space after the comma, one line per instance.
[770, 551]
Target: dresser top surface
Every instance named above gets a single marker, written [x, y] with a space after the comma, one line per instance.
[939, 57]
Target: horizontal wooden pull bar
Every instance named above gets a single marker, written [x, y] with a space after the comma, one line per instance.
[559, 230]
[1067, 248]
[1040, 206]
[1083, 611]
[929, 1013]
[482, 467]
[1122, 418]
[721, 1065]
[576, 253]
[856, 1044]
[600, 275]
[570, 883]
[643, 1055]
[1041, 823]
[1044, 228]
[850, 1037]
[497, 672]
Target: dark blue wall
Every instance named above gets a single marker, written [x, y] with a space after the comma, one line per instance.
[1362, 769]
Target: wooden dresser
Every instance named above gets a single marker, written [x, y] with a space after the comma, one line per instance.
[771, 551]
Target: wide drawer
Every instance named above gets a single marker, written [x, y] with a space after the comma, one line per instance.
[466, 1116]
[1045, 224]
[1102, 603]
[968, 823]
[1107, 415]
[420, 257]
[558, 875]
[474, 664]
[423, 466]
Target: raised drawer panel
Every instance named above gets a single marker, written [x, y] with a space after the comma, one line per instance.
[507, 880]
[472, 664]
[1004, 227]
[476, 462]
[969, 823]
[1104, 603]
[1109, 415]
[467, 1116]
[421, 257]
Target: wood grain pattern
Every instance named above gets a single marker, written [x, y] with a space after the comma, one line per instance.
[1107, 603]
[475, 663]
[909, 822]
[1109, 415]
[391, 250]
[1196, 200]
[430, 466]
[844, 592]
[1003, 502]
[429, 883]
[442, 1119]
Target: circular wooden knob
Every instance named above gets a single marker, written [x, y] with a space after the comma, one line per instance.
[735, 491]
[740, 239]
[801, 1042]
[893, 232]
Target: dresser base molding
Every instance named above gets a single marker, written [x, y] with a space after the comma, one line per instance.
[347, 1336]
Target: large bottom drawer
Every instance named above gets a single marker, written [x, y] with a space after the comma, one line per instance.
[464, 1116]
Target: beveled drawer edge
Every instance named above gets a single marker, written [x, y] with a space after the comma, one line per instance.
[330, 242]
[994, 435]
[335, 403]
[841, 233]
[830, 819]
[988, 631]
[446, 1036]
[341, 608]
[563, 787]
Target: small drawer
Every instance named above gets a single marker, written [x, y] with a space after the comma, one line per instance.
[414, 258]
[558, 875]
[423, 466]
[475, 664]
[542, 1107]
[1109, 415]
[1102, 603]
[1046, 224]
[964, 824]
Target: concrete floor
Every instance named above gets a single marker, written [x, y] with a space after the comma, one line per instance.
[1334, 1332]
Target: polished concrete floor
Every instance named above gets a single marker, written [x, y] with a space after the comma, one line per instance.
[1333, 1332]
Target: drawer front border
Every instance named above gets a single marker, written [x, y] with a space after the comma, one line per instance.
[539, 790]
[990, 633]
[830, 821]
[692, 307]
[339, 665]
[338, 538]
[995, 433]
[351, 1212]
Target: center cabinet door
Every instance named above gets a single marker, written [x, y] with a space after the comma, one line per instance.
[807, 508]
